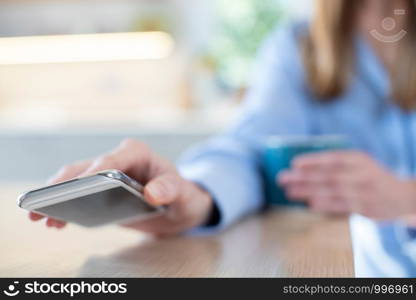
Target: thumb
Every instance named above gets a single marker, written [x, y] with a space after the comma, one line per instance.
[164, 189]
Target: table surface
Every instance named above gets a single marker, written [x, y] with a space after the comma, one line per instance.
[281, 242]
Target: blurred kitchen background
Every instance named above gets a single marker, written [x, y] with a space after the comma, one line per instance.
[77, 76]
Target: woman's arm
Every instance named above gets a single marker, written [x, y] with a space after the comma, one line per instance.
[228, 167]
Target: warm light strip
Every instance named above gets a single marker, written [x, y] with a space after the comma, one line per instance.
[85, 48]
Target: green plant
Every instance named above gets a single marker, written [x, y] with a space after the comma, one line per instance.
[243, 26]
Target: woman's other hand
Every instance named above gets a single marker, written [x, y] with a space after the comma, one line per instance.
[348, 181]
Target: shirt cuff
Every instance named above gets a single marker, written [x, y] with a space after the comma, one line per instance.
[218, 181]
[407, 237]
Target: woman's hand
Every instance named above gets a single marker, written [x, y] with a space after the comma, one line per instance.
[348, 181]
[188, 205]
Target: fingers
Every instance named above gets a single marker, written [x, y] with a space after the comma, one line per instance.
[170, 189]
[55, 223]
[188, 205]
[342, 181]
[131, 157]
[330, 170]
[332, 205]
[64, 174]
[70, 171]
[49, 221]
[345, 181]
[329, 160]
[320, 196]
[165, 189]
[34, 216]
[333, 169]
[130, 154]
[337, 180]
[326, 181]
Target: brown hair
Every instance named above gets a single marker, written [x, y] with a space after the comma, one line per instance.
[328, 52]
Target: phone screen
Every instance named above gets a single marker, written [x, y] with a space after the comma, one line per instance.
[100, 208]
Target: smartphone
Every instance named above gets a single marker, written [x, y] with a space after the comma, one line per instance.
[108, 197]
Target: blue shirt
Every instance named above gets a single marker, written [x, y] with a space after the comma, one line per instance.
[280, 103]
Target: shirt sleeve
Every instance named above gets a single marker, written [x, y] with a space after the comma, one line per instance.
[229, 166]
[407, 237]
[382, 249]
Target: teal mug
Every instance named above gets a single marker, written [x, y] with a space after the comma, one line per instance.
[279, 153]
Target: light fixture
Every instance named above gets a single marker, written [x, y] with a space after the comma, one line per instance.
[85, 48]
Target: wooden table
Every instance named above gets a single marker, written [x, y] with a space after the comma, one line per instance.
[278, 243]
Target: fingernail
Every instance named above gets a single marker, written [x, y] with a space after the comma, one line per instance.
[32, 216]
[59, 224]
[156, 191]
